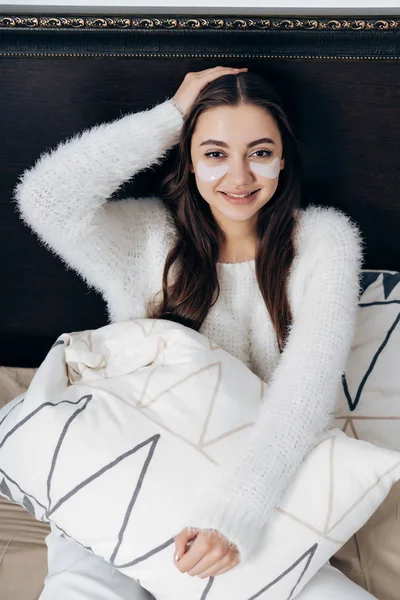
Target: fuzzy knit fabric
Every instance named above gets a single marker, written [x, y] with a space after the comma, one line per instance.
[119, 248]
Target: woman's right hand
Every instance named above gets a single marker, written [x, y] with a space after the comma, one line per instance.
[194, 82]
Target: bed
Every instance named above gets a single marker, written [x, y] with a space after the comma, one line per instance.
[63, 73]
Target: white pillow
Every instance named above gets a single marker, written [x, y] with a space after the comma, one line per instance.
[119, 459]
[330, 584]
[369, 403]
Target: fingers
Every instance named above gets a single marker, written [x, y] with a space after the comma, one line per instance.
[218, 72]
[194, 82]
[205, 77]
[211, 565]
[181, 541]
[207, 561]
[219, 69]
[204, 559]
[197, 551]
[214, 74]
[208, 567]
[212, 69]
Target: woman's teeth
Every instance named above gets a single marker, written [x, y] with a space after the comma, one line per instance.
[237, 195]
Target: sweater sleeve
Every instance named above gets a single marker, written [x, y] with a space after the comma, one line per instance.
[300, 397]
[63, 197]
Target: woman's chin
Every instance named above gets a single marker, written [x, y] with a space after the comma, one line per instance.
[240, 213]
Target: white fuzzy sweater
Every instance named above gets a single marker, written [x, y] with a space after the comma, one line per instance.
[119, 248]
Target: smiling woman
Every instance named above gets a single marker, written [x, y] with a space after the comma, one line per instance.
[207, 172]
[287, 312]
[242, 178]
[99, 83]
[235, 205]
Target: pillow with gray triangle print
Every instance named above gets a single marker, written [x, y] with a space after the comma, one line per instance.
[125, 429]
[369, 409]
[369, 404]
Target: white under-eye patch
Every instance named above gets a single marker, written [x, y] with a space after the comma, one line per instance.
[271, 170]
[207, 173]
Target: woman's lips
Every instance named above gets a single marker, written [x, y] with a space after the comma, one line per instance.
[242, 201]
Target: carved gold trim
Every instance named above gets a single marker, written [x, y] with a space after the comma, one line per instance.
[191, 55]
[200, 23]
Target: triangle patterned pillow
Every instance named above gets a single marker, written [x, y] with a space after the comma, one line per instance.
[369, 404]
[369, 409]
[125, 428]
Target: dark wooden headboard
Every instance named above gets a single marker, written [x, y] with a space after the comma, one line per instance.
[60, 74]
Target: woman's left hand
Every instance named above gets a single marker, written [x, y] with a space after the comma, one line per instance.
[209, 553]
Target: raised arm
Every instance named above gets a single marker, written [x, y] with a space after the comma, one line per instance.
[63, 197]
[300, 398]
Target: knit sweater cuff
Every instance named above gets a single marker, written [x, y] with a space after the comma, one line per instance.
[241, 527]
[177, 106]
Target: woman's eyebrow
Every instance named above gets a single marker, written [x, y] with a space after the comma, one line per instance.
[224, 145]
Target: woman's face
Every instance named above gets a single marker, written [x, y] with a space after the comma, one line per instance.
[230, 155]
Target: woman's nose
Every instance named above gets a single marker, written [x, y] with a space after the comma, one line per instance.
[239, 172]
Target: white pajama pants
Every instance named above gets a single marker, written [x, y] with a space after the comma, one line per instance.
[76, 574]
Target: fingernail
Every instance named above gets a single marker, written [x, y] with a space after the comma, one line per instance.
[177, 556]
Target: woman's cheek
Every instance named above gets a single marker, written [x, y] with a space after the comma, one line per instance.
[210, 173]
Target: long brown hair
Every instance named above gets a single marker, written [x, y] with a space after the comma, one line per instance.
[195, 288]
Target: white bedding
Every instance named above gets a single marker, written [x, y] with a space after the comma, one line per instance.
[126, 429]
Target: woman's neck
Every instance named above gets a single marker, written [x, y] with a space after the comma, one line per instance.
[238, 249]
[239, 239]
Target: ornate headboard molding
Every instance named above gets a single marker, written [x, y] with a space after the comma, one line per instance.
[189, 36]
